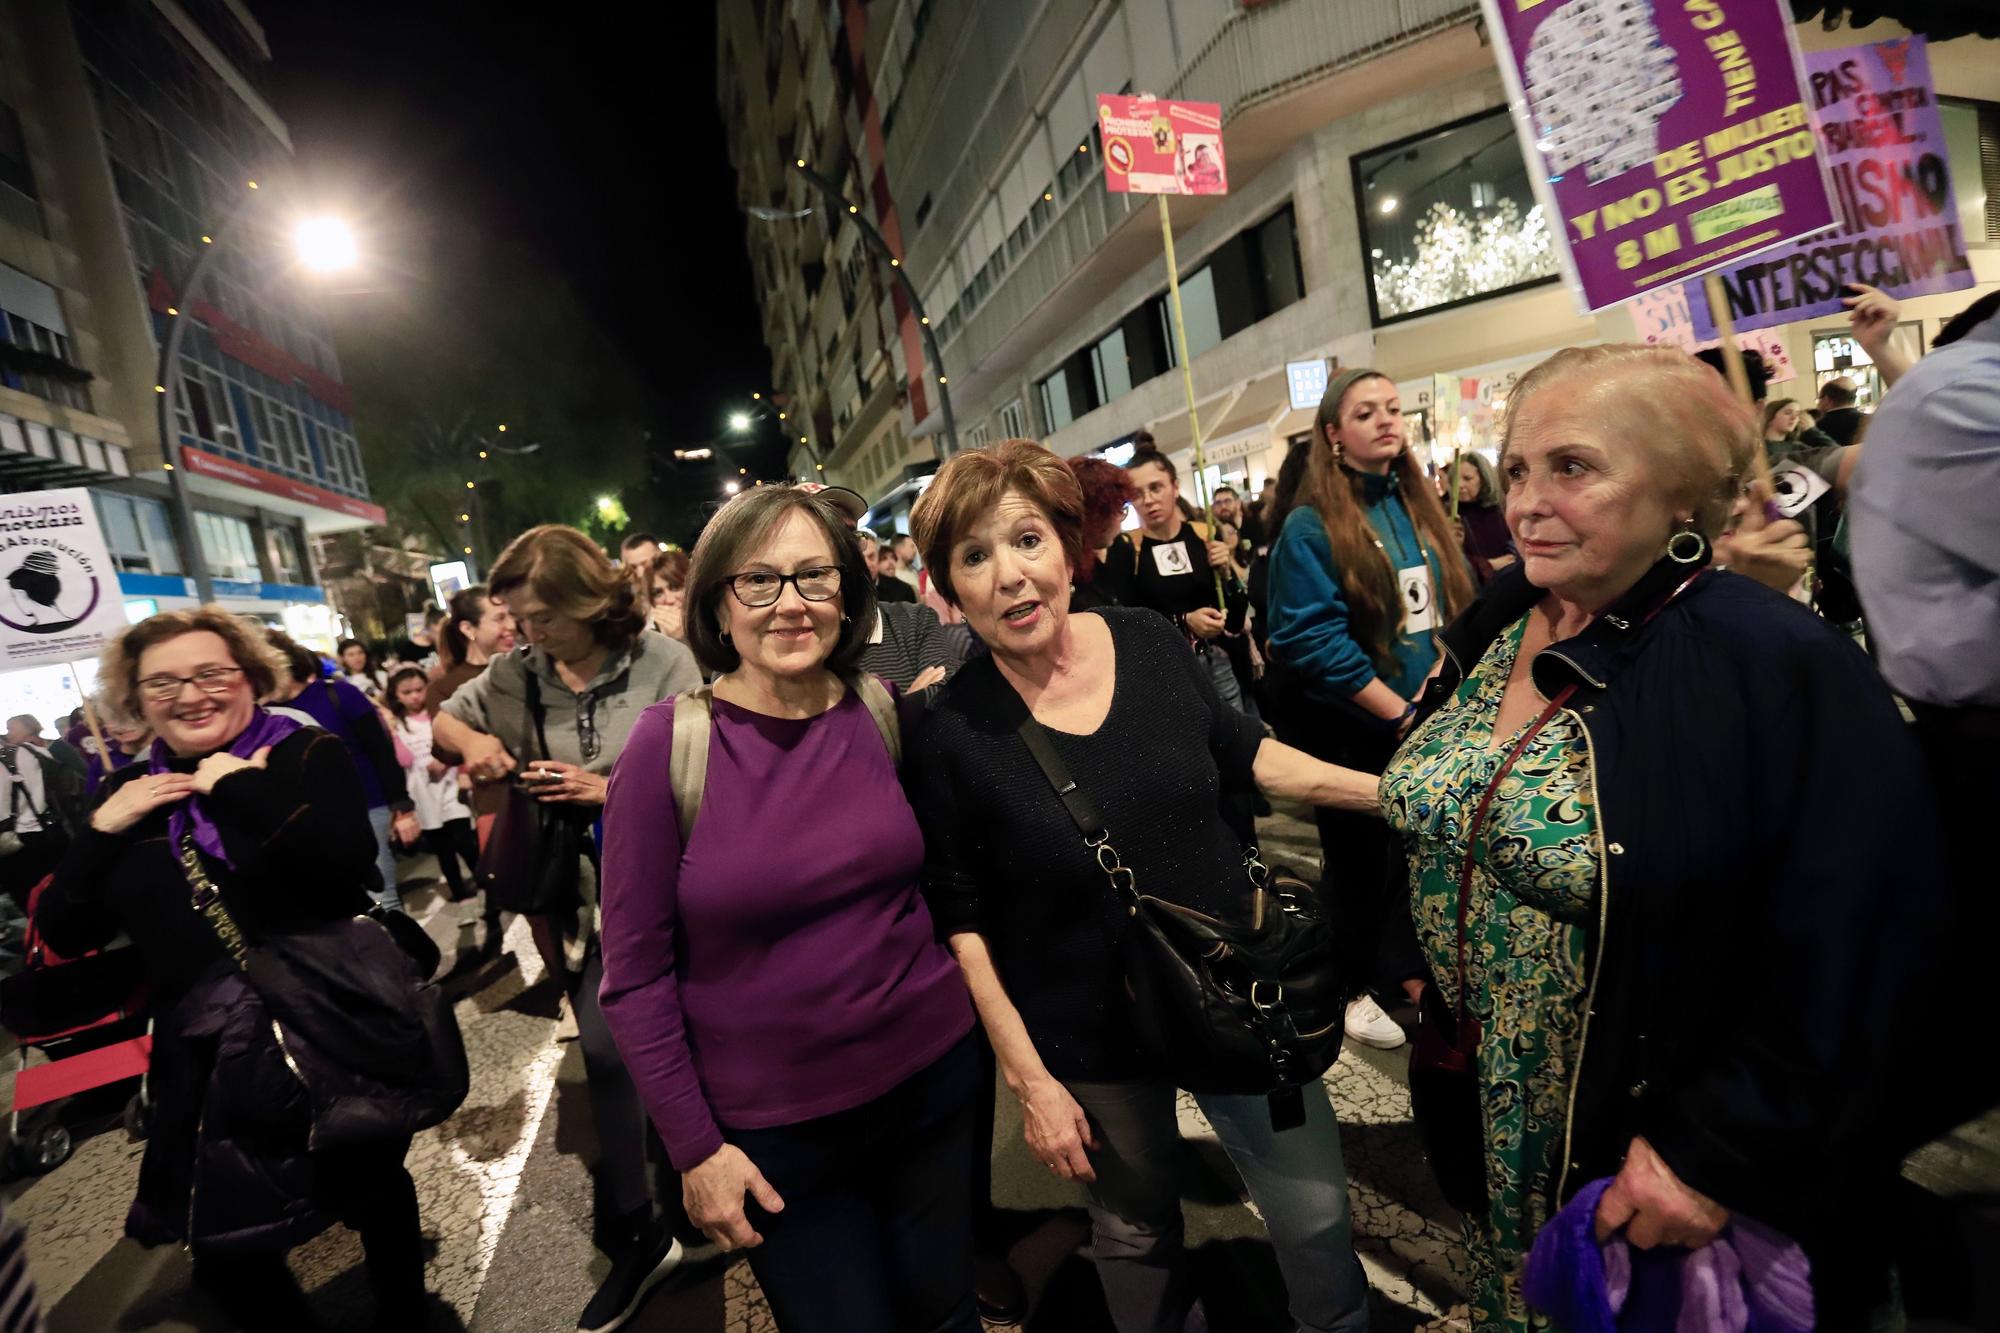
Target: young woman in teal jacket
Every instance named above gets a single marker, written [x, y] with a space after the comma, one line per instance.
[1362, 575]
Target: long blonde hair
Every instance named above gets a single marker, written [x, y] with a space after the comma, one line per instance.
[1367, 574]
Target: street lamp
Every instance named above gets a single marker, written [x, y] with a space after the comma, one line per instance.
[321, 244]
[730, 488]
[739, 421]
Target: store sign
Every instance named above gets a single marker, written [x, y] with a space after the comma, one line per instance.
[257, 479]
[1156, 146]
[1669, 139]
[241, 343]
[1666, 317]
[1307, 381]
[59, 593]
[1877, 121]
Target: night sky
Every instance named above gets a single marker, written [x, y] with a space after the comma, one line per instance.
[596, 144]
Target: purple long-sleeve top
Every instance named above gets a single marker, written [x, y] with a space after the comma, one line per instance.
[782, 966]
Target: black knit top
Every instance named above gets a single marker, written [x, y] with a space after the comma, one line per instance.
[1003, 858]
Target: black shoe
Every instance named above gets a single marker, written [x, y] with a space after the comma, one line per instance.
[633, 1276]
[997, 1291]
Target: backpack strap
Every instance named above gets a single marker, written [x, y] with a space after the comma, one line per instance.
[882, 707]
[694, 720]
[694, 723]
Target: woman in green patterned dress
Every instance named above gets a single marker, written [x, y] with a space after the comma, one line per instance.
[1691, 919]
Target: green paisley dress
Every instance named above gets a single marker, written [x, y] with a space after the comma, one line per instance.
[1533, 906]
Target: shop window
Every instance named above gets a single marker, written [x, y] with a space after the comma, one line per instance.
[1449, 217]
[286, 554]
[1837, 355]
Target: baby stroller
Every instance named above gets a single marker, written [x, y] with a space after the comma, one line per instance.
[88, 1018]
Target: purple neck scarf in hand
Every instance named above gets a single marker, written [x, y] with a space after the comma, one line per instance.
[264, 729]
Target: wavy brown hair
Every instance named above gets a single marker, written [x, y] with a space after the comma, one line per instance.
[971, 484]
[118, 666]
[571, 576]
[1367, 574]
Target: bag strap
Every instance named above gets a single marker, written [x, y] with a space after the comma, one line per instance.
[694, 724]
[206, 898]
[1479, 821]
[537, 712]
[694, 720]
[1082, 810]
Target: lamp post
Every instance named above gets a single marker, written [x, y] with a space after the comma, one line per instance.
[486, 448]
[881, 247]
[323, 244]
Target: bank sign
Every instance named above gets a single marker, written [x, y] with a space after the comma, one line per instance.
[1665, 138]
[59, 597]
[1877, 121]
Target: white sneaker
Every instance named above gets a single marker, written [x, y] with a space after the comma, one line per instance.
[1367, 1024]
[566, 1029]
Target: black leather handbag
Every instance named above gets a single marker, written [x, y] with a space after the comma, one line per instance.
[531, 861]
[1445, 1084]
[1247, 1007]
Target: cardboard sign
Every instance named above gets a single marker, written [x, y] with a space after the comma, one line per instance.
[1665, 316]
[59, 597]
[1668, 139]
[1878, 126]
[1156, 146]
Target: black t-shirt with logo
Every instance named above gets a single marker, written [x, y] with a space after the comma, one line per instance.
[1172, 577]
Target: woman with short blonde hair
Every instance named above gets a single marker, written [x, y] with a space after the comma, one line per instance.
[1672, 866]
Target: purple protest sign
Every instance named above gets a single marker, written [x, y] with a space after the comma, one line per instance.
[1878, 126]
[1670, 137]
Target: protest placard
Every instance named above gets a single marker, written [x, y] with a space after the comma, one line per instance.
[1156, 146]
[1878, 126]
[1668, 138]
[59, 596]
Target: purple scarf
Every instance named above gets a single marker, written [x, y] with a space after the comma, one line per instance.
[1749, 1279]
[264, 729]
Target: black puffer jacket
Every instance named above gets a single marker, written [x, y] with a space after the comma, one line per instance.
[226, 1166]
[1773, 904]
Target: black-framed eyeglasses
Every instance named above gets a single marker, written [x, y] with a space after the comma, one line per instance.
[821, 583]
[209, 680]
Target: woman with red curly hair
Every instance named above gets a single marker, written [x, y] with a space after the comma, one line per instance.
[1107, 493]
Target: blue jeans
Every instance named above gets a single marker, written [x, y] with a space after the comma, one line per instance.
[385, 858]
[1295, 1177]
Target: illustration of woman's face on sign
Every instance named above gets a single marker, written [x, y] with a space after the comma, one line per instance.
[35, 594]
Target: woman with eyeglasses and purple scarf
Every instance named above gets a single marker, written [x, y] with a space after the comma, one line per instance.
[272, 814]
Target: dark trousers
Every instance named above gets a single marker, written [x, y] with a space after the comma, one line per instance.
[451, 842]
[370, 1191]
[876, 1232]
[23, 870]
[1361, 885]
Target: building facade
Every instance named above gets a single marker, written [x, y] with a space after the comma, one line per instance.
[129, 133]
[1379, 214]
[794, 85]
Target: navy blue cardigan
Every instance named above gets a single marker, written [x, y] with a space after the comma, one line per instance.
[1773, 895]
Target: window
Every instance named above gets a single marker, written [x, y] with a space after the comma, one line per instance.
[17, 180]
[1111, 371]
[46, 373]
[1054, 393]
[1014, 421]
[229, 546]
[287, 557]
[136, 530]
[1972, 143]
[1449, 217]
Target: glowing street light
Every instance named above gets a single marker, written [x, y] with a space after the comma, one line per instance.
[730, 488]
[606, 505]
[739, 421]
[326, 244]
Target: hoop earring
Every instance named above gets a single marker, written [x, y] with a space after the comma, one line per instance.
[1681, 553]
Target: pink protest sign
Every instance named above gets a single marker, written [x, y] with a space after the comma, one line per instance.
[1156, 146]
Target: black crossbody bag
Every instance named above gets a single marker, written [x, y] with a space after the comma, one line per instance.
[1250, 1007]
[531, 861]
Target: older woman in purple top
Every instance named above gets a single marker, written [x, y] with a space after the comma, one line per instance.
[800, 1038]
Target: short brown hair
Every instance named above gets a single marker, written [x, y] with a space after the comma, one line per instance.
[1697, 436]
[972, 483]
[572, 577]
[736, 530]
[118, 665]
